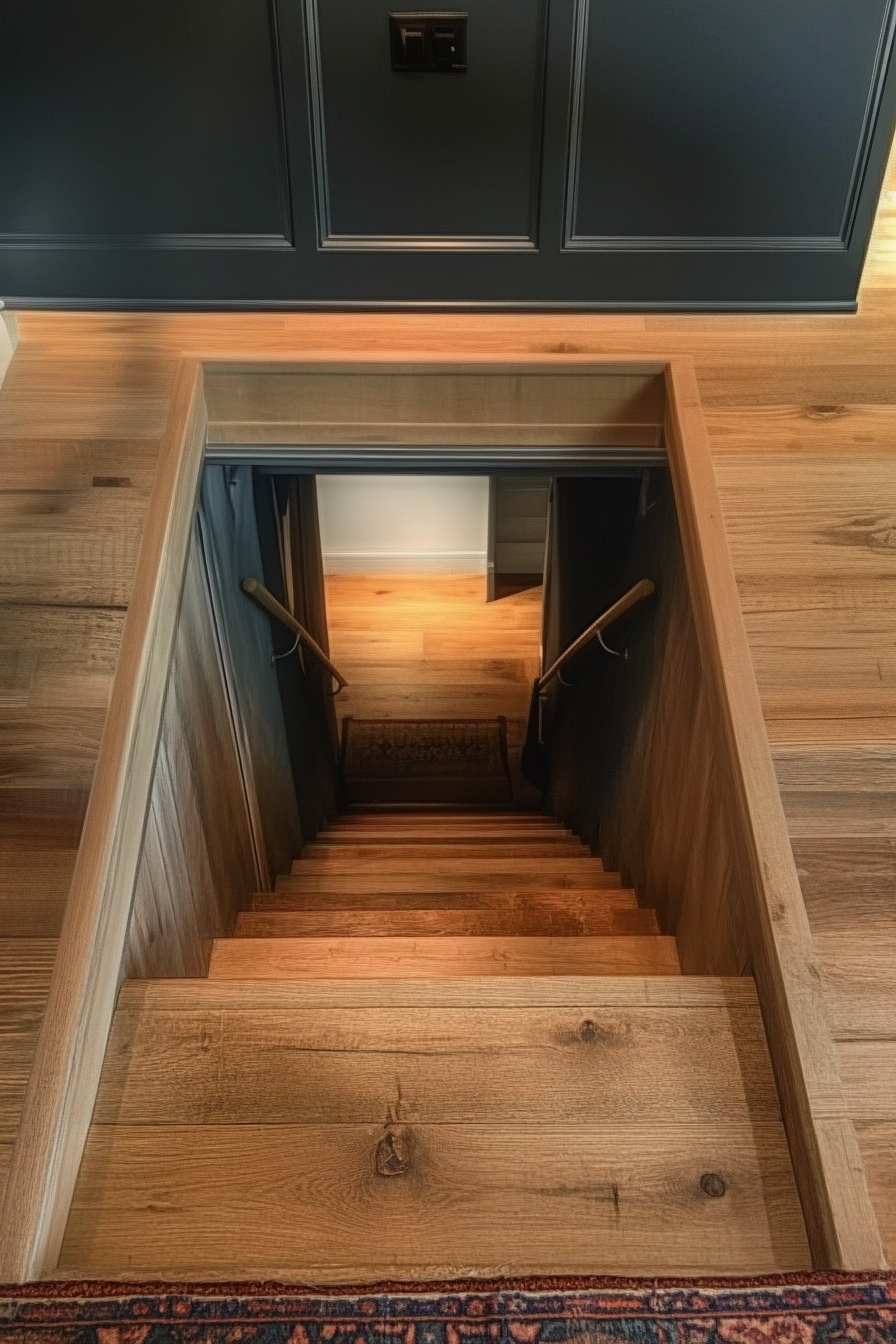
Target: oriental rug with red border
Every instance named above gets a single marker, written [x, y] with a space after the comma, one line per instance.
[790, 1309]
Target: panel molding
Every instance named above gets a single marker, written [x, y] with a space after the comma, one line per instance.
[801, 243]
[192, 241]
[869, 125]
[346, 459]
[65, 303]
[150, 242]
[328, 240]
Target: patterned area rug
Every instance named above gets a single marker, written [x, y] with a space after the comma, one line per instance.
[425, 760]
[793, 1309]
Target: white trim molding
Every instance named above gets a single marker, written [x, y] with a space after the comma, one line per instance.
[405, 562]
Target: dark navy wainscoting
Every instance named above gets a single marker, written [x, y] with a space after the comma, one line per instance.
[646, 154]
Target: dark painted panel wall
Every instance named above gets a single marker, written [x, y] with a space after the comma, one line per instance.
[144, 117]
[262, 152]
[700, 118]
[430, 154]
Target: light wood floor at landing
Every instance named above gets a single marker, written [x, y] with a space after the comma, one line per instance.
[429, 646]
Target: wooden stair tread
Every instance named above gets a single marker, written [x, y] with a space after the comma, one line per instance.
[466, 834]
[480, 1200]
[415, 822]
[261, 958]
[461, 849]
[687, 1057]
[408, 821]
[485, 866]
[397, 818]
[422, 815]
[483, 840]
[238, 1127]
[422, 881]
[609, 898]
[456, 923]
[728, 994]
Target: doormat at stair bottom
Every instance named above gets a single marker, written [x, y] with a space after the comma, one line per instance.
[425, 761]
[788, 1309]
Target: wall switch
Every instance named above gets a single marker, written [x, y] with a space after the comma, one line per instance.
[428, 42]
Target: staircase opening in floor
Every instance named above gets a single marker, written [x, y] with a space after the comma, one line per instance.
[437, 966]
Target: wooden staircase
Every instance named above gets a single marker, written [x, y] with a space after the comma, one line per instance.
[445, 893]
[448, 1045]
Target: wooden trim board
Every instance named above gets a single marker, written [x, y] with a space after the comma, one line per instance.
[87, 974]
[827, 1163]
[616, 403]
[9, 339]
[840, 1220]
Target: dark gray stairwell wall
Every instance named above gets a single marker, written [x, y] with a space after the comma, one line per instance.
[678, 153]
[592, 562]
[305, 688]
[637, 759]
[230, 542]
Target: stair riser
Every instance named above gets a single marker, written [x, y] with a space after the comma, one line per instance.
[527, 902]
[414, 815]
[459, 849]
[442, 923]
[466, 867]
[416, 958]
[376, 835]
[448, 816]
[435, 882]
[405, 821]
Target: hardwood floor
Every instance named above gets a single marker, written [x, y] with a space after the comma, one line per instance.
[25, 967]
[840, 801]
[429, 646]
[801, 414]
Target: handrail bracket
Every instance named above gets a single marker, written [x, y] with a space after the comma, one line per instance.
[637, 593]
[252, 588]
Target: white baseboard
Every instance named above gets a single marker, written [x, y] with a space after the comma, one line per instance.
[404, 562]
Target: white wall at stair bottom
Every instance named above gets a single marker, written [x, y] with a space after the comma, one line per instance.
[403, 524]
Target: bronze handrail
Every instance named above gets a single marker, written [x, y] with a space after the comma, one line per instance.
[643, 588]
[270, 604]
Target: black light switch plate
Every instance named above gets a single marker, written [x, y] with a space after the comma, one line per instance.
[428, 42]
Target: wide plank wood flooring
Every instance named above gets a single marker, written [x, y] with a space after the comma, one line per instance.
[25, 968]
[336, 1131]
[840, 808]
[429, 646]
